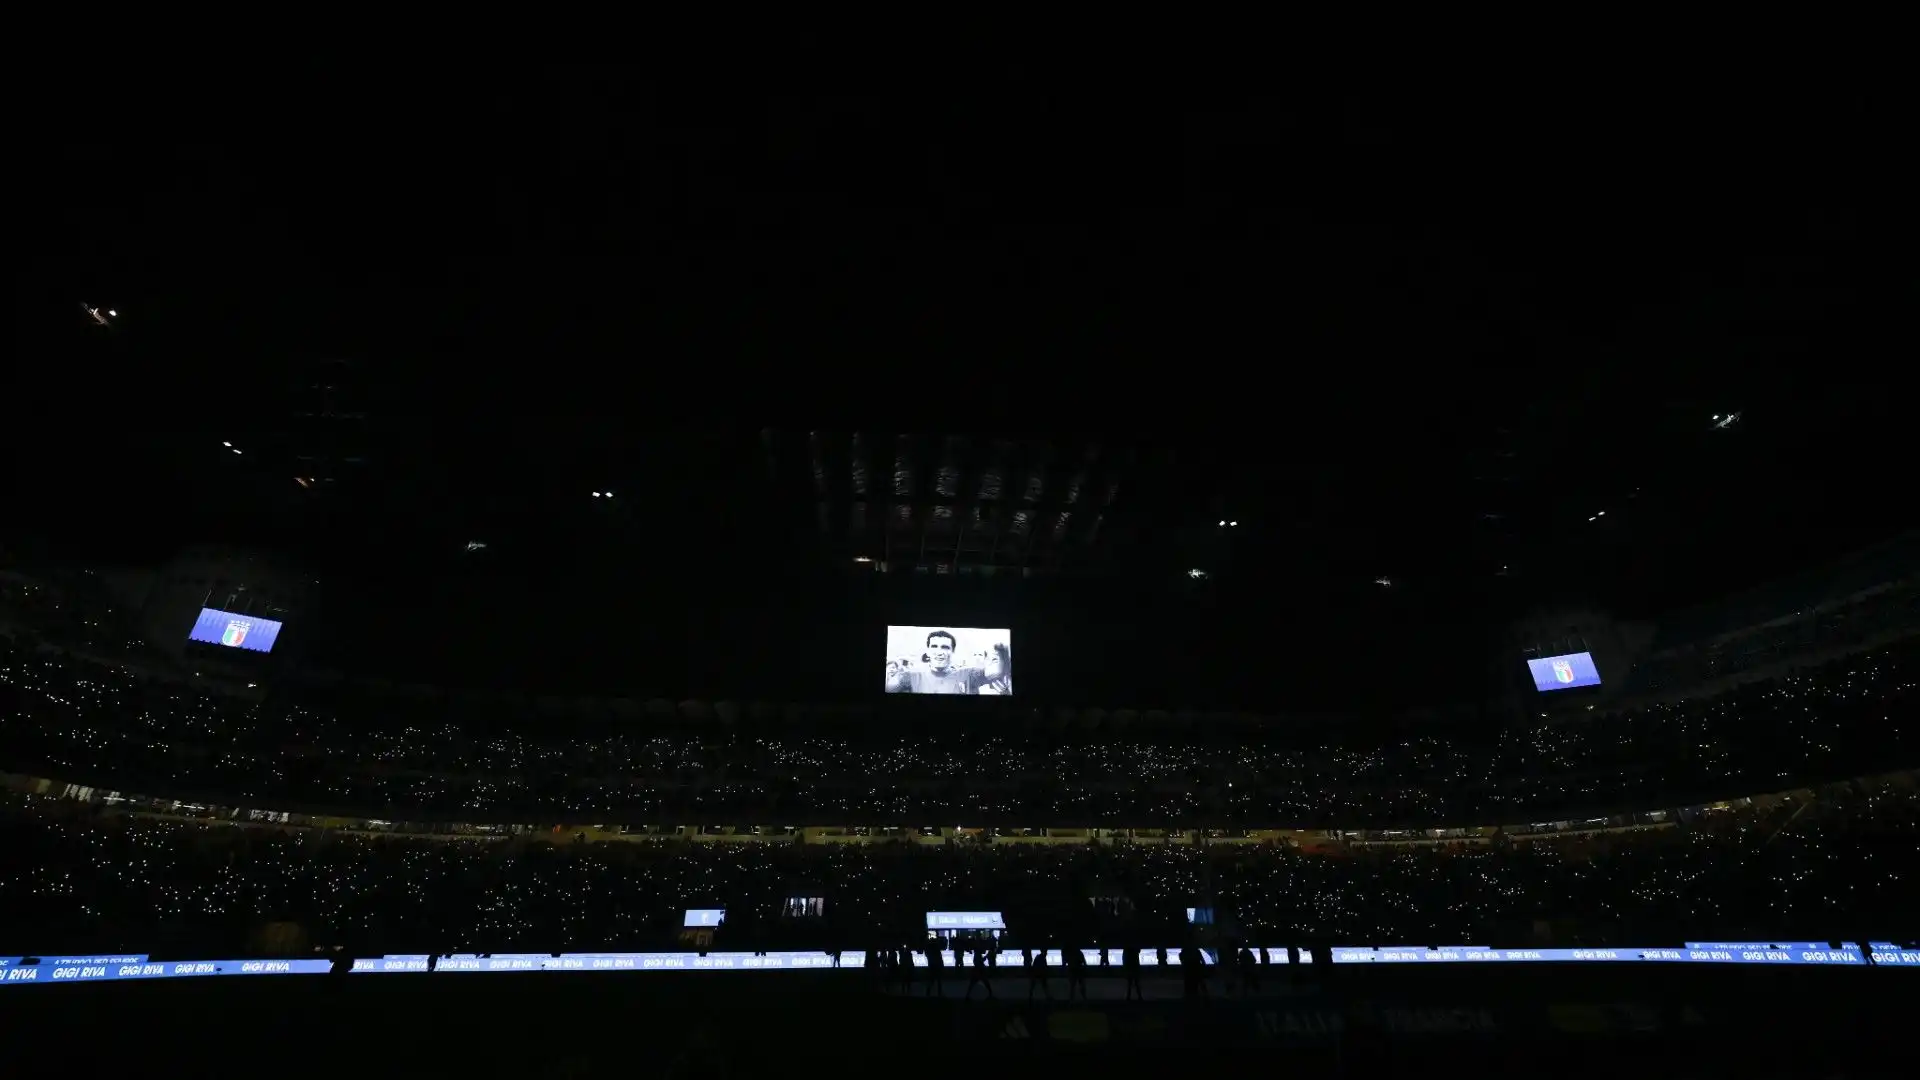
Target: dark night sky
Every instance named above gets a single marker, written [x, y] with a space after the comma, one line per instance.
[1374, 321]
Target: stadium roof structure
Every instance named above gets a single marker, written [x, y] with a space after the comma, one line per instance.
[662, 349]
[1602, 499]
[960, 504]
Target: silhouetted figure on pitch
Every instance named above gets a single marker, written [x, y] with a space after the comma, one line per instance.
[981, 973]
[1130, 966]
[1249, 970]
[936, 966]
[1193, 971]
[1037, 974]
[903, 957]
[1076, 961]
[1321, 955]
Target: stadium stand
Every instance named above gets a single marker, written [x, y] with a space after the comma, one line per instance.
[95, 723]
[1300, 876]
[143, 809]
[91, 877]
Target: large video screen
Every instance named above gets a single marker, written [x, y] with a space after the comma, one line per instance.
[1564, 672]
[216, 627]
[949, 660]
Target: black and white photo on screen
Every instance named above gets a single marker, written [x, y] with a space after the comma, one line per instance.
[949, 660]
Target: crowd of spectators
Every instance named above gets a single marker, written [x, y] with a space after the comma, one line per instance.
[1691, 653]
[71, 609]
[99, 723]
[96, 873]
[86, 877]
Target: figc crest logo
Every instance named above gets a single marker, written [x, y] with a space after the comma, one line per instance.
[1562, 670]
[236, 632]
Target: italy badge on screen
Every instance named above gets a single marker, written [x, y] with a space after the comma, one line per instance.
[233, 630]
[1563, 672]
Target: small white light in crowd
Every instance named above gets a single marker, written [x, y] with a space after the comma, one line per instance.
[862, 558]
[236, 449]
[1596, 517]
[225, 443]
[1223, 523]
[596, 494]
[1233, 523]
[1602, 513]
[1197, 574]
[112, 314]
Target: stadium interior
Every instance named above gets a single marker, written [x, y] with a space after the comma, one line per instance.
[1534, 700]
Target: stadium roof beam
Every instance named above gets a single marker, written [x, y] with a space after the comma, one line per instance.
[835, 454]
[786, 470]
[822, 487]
[863, 467]
[879, 458]
[906, 495]
[1103, 487]
[1127, 526]
[974, 461]
[1006, 509]
[1026, 498]
[924, 492]
[1059, 485]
